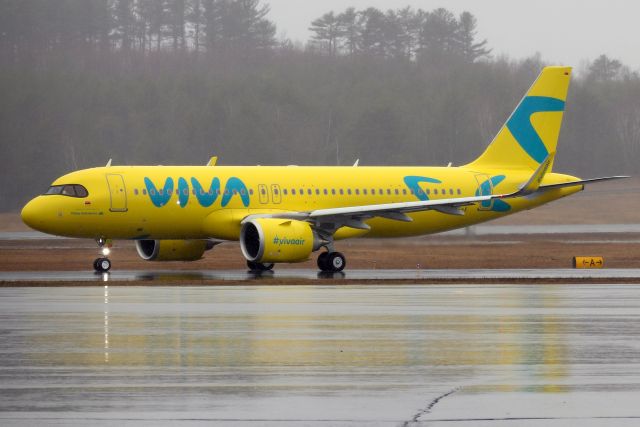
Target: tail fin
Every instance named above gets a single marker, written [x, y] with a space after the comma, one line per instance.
[531, 132]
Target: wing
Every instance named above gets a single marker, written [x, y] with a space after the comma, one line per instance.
[331, 219]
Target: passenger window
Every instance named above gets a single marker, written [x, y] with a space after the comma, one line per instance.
[152, 192]
[301, 192]
[459, 192]
[144, 191]
[451, 191]
[349, 191]
[242, 191]
[341, 192]
[263, 191]
[333, 191]
[308, 191]
[317, 192]
[250, 191]
[293, 191]
[435, 191]
[397, 192]
[364, 191]
[404, 191]
[388, 191]
[357, 192]
[135, 191]
[284, 191]
[325, 192]
[428, 191]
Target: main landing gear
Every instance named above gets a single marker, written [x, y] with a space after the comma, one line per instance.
[103, 264]
[259, 266]
[332, 262]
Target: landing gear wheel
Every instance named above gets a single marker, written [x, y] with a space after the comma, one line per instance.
[259, 266]
[322, 261]
[102, 265]
[332, 262]
[336, 262]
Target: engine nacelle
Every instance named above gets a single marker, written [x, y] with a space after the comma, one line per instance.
[277, 240]
[172, 250]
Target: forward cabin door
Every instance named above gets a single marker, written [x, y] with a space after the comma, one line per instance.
[117, 192]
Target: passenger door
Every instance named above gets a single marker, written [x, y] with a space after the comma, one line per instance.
[117, 192]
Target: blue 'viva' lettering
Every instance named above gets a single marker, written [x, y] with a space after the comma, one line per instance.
[159, 197]
[206, 198]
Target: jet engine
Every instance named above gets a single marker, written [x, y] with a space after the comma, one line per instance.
[267, 240]
[173, 250]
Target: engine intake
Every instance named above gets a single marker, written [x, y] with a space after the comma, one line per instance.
[277, 240]
[173, 250]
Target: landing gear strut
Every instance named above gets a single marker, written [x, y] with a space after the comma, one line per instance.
[103, 264]
[331, 262]
[259, 266]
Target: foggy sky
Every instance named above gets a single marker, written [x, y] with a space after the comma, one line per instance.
[566, 32]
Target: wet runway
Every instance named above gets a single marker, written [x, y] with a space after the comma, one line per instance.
[525, 355]
[172, 276]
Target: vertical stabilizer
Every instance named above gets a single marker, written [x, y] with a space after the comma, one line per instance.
[531, 132]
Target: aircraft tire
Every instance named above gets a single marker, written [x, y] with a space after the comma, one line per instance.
[102, 265]
[259, 266]
[322, 262]
[336, 262]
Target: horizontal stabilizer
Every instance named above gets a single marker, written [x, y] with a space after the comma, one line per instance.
[582, 182]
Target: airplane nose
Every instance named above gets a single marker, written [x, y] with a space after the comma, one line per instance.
[30, 215]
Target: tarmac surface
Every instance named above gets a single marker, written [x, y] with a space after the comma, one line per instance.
[172, 277]
[462, 355]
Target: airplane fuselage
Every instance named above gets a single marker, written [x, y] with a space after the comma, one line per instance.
[187, 202]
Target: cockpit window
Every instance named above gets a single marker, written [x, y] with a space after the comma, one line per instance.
[55, 189]
[81, 191]
[68, 190]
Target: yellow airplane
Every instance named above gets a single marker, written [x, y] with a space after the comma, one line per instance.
[283, 214]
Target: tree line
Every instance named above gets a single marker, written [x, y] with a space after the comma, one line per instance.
[75, 95]
[400, 34]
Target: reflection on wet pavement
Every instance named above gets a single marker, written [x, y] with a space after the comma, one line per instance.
[388, 355]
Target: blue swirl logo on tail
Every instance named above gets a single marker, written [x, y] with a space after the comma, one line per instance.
[159, 197]
[413, 182]
[495, 205]
[522, 129]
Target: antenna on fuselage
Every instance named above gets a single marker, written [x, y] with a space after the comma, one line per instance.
[355, 165]
[108, 165]
[212, 161]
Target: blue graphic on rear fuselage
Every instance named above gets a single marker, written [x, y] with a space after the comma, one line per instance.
[413, 183]
[485, 189]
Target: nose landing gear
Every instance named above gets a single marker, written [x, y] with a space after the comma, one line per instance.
[103, 264]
